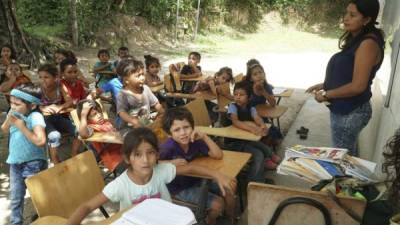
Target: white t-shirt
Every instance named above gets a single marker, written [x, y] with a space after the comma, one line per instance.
[127, 193]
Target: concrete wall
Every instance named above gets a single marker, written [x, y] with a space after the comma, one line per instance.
[389, 117]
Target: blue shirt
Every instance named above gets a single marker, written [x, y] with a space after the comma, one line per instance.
[21, 149]
[101, 78]
[246, 113]
[172, 150]
[114, 86]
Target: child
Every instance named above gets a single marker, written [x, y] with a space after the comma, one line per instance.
[62, 54]
[191, 70]
[123, 53]
[135, 99]
[26, 157]
[7, 55]
[152, 69]
[184, 145]
[71, 85]
[14, 77]
[103, 65]
[144, 178]
[241, 111]
[54, 103]
[91, 120]
[223, 76]
[261, 91]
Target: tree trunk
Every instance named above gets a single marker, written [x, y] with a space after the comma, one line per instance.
[16, 36]
[74, 23]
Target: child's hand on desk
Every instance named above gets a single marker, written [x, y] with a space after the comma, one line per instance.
[225, 183]
[196, 135]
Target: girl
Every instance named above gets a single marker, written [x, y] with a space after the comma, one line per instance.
[92, 120]
[54, 105]
[62, 54]
[223, 76]
[261, 91]
[7, 55]
[152, 69]
[135, 99]
[26, 157]
[13, 78]
[71, 85]
[241, 111]
[144, 178]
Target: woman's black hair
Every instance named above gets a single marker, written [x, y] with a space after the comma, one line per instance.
[368, 8]
[128, 66]
[178, 113]
[79, 106]
[31, 89]
[226, 70]
[391, 166]
[243, 85]
[49, 68]
[66, 62]
[13, 54]
[137, 136]
[148, 60]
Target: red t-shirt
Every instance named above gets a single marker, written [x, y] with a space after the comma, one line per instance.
[75, 90]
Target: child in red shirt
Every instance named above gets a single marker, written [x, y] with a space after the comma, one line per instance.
[70, 82]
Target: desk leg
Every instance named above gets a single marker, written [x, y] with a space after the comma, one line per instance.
[202, 204]
[279, 99]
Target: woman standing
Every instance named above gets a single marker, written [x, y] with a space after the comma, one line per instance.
[349, 74]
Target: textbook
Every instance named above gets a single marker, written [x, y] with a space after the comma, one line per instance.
[321, 153]
[156, 211]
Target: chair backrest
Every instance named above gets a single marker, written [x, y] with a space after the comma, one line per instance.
[58, 191]
[222, 100]
[238, 77]
[199, 111]
[263, 199]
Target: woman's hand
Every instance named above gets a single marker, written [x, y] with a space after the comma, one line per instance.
[319, 97]
[315, 88]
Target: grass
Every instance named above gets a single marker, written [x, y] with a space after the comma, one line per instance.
[46, 31]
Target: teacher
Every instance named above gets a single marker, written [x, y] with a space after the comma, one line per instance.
[349, 74]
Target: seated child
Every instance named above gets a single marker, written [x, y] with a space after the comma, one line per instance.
[191, 70]
[145, 178]
[103, 65]
[91, 120]
[55, 102]
[261, 91]
[123, 53]
[7, 56]
[62, 54]
[184, 145]
[26, 157]
[152, 69]
[135, 100]
[71, 85]
[241, 111]
[13, 78]
[223, 76]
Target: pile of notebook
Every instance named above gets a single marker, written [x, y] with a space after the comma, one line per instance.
[157, 212]
[314, 164]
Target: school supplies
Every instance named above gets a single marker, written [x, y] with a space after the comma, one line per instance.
[157, 212]
[321, 153]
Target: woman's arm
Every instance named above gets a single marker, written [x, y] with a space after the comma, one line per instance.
[86, 208]
[367, 56]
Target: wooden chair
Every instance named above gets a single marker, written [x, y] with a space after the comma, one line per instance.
[58, 191]
[199, 111]
[271, 112]
[263, 199]
[238, 77]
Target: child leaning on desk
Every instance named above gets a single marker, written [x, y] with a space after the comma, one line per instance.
[241, 111]
[184, 145]
[145, 178]
[191, 70]
[103, 64]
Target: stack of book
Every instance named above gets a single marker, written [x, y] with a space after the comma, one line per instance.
[314, 164]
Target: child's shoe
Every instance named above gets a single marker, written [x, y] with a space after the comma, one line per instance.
[269, 164]
[275, 158]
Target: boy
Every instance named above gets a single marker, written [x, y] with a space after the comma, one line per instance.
[123, 53]
[191, 70]
[103, 65]
[183, 146]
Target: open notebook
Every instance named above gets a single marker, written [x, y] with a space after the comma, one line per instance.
[157, 212]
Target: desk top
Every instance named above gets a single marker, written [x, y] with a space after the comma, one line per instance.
[50, 220]
[183, 78]
[230, 165]
[207, 95]
[106, 137]
[229, 132]
[157, 88]
[285, 94]
[267, 111]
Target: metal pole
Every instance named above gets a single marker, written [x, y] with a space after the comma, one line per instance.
[177, 20]
[197, 19]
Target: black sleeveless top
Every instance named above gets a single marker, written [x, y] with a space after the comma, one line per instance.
[340, 72]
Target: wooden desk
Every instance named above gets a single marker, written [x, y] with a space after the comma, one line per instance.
[272, 112]
[158, 88]
[229, 132]
[285, 94]
[105, 137]
[50, 220]
[183, 78]
[206, 95]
